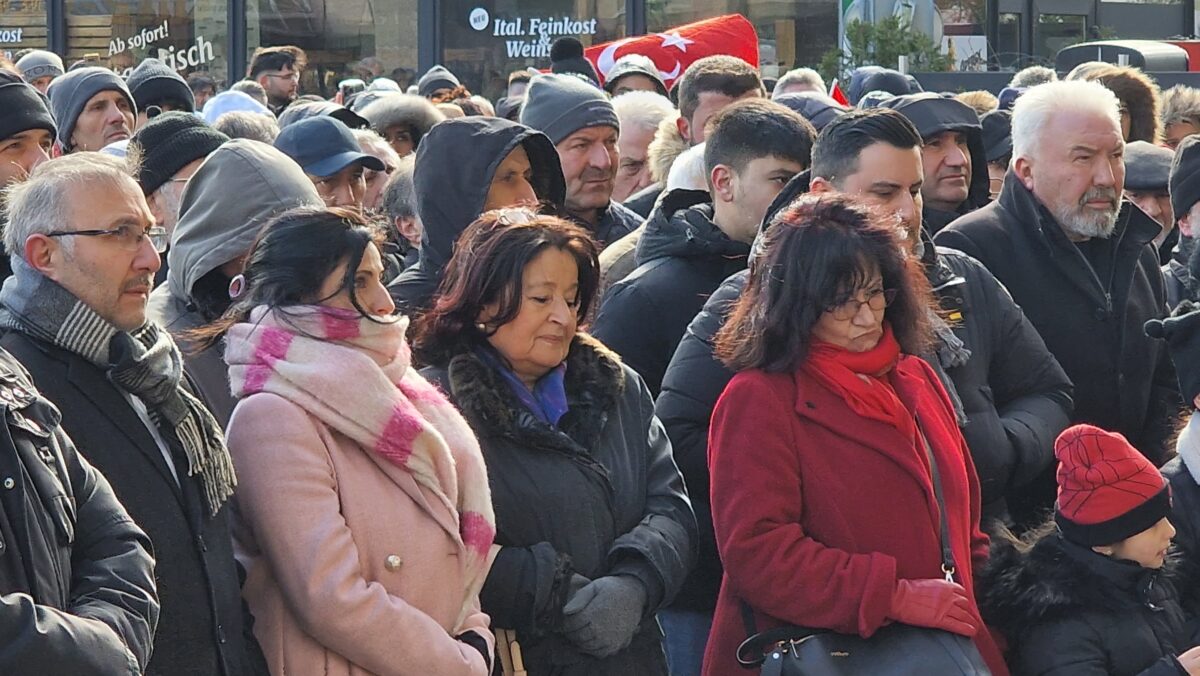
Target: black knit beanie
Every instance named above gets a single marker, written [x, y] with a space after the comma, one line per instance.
[566, 56]
[154, 82]
[1182, 333]
[170, 142]
[1185, 176]
[23, 109]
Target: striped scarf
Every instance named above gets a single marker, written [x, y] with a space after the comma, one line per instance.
[354, 374]
[145, 363]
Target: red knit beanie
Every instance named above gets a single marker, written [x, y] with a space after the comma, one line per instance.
[1107, 490]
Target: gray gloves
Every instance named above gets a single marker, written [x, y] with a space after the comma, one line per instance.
[602, 617]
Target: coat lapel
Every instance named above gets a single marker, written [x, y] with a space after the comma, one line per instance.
[826, 409]
[94, 387]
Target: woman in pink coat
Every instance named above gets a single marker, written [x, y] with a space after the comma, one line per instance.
[364, 518]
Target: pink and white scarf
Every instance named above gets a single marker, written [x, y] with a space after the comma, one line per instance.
[355, 375]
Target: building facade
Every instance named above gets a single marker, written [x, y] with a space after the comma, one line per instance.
[484, 40]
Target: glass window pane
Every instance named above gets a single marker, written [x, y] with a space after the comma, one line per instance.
[790, 34]
[22, 26]
[485, 41]
[1055, 31]
[342, 38]
[189, 35]
[1009, 48]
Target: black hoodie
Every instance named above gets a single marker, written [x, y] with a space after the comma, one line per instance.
[682, 257]
[932, 114]
[455, 164]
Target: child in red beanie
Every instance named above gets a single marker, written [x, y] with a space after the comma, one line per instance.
[1091, 592]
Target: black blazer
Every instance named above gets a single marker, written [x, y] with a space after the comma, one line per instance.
[203, 628]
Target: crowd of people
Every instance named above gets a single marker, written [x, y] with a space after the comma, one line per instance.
[600, 378]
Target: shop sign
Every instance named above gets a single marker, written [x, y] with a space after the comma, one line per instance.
[190, 57]
[10, 36]
[140, 40]
[531, 36]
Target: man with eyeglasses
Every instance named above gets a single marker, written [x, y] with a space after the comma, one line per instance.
[278, 70]
[84, 250]
[167, 152]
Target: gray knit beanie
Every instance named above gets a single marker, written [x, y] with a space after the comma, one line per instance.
[71, 92]
[560, 105]
[438, 77]
[40, 63]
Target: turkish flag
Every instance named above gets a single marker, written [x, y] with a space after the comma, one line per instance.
[836, 93]
[675, 49]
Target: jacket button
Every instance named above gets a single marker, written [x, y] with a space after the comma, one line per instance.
[393, 563]
[1100, 314]
[9, 483]
[221, 633]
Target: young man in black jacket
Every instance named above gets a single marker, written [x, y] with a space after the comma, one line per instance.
[695, 239]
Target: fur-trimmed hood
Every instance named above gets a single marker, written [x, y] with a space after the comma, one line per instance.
[594, 382]
[1023, 586]
[667, 145]
[403, 109]
[1139, 94]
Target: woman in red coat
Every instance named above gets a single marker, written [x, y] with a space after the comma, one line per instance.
[823, 501]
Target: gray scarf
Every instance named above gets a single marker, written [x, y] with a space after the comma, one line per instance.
[145, 363]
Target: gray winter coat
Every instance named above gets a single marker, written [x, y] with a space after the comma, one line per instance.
[241, 186]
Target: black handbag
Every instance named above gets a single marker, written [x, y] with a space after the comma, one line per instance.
[894, 650]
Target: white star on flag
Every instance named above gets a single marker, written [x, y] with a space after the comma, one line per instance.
[674, 39]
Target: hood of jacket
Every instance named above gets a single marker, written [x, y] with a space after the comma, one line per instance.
[455, 164]
[668, 144]
[681, 226]
[1141, 97]
[1026, 584]
[932, 114]
[241, 186]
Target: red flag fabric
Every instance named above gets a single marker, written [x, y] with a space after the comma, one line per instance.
[836, 93]
[675, 49]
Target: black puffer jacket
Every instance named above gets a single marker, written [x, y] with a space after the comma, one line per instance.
[1123, 380]
[682, 258]
[455, 165]
[615, 222]
[1068, 611]
[77, 591]
[1181, 283]
[598, 495]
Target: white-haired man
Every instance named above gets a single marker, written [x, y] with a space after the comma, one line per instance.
[1079, 261]
[639, 113]
[799, 80]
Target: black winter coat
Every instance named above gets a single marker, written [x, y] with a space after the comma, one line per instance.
[682, 258]
[1123, 380]
[202, 630]
[1185, 513]
[76, 575]
[1016, 397]
[642, 202]
[615, 222]
[598, 495]
[1068, 611]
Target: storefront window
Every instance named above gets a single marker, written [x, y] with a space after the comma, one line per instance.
[22, 26]
[342, 38]
[1008, 51]
[790, 34]
[189, 35]
[485, 40]
[1055, 31]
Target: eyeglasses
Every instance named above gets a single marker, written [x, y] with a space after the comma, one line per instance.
[876, 300]
[127, 237]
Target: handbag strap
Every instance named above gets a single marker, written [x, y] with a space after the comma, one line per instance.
[948, 567]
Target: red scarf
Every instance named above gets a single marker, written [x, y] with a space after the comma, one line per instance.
[843, 371]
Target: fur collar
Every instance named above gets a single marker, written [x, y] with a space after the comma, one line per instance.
[594, 382]
[1021, 587]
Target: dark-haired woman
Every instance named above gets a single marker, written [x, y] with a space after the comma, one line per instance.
[364, 514]
[594, 529]
[823, 499]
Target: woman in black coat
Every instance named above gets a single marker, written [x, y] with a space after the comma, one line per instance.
[594, 529]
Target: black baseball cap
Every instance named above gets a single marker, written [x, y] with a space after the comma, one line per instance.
[323, 146]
